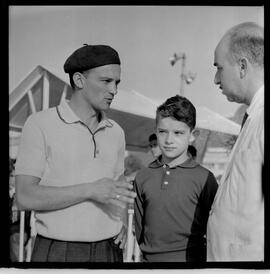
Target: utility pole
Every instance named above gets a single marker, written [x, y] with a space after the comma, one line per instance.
[185, 78]
[182, 75]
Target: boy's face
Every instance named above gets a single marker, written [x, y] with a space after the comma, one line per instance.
[173, 138]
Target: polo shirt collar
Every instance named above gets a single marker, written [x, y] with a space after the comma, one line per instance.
[189, 163]
[69, 116]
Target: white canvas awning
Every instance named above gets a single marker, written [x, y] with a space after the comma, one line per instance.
[133, 111]
[138, 104]
[208, 119]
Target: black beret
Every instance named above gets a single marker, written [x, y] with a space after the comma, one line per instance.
[91, 56]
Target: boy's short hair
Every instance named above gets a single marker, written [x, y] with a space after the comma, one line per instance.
[192, 151]
[152, 137]
[179, 108]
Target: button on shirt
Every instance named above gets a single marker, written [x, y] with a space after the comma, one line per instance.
[58, 148]
[235, 230]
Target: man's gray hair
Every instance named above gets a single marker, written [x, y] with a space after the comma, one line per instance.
[246, 40]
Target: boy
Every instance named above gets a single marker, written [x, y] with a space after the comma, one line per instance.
[174, 194]
[154, 148]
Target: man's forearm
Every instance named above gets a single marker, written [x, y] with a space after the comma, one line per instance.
[32, 196]
[38, 197]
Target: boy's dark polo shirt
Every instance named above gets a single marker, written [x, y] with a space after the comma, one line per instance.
[172, 206]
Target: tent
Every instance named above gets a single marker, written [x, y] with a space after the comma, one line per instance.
[133, 111]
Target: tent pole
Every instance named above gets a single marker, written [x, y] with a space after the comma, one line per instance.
[46, 86]
[31, 101]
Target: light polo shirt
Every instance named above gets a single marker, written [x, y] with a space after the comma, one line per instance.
[235, 230]
[58, 148]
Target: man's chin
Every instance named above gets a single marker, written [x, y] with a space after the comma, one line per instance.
[229, 98]
[105, 107]
[234, 100]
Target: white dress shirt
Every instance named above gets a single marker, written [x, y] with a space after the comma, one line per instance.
[235, 229]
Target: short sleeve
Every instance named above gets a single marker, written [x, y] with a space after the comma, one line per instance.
[138, 211]
[31, 157]
[121, 154]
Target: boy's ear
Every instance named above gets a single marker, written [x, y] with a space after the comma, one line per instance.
[194, 134]
[191, 138]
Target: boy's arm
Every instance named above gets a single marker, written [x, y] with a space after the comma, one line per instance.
[138, 212]
[207, 195]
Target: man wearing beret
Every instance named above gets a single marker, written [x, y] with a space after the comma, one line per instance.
[70, 165]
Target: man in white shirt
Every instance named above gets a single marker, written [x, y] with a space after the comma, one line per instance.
[70, 166]
[235, 230]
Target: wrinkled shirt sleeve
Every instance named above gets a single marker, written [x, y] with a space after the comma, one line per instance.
[138, 211]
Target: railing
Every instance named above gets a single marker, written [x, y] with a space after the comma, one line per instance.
[29, 244]
[133, 250]
[21, 245]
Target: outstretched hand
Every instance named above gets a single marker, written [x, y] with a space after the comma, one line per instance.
[108, 191]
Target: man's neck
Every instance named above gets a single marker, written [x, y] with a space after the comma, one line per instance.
[86, 113]
[253, 85]
[252, 93]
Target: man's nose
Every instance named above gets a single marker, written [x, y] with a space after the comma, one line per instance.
[216, 79]
[113, 89]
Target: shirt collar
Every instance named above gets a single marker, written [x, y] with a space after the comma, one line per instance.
[68, 116]
[256, 102]
[189, 163]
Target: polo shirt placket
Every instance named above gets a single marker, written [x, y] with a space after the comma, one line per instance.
[102, 125]
[165, 182]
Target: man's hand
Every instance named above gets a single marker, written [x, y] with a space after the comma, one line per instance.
[121, 237]
[107, 191]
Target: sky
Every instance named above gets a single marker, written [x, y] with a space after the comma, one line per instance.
[144, 36]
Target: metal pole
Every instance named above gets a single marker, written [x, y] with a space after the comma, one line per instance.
[137, 252]
[21, 243]
[130, 238]
[183, 74]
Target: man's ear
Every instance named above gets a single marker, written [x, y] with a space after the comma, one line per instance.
[243, 67]
[78, 80]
